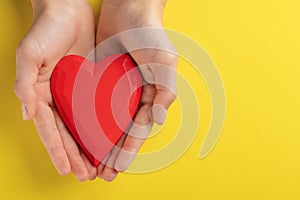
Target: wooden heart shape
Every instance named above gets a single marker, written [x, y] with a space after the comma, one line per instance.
[97, 102]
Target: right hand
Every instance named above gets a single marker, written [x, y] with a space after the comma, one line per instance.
[60, 27]
[157, 65]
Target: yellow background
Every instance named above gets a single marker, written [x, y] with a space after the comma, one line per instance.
[255, 45]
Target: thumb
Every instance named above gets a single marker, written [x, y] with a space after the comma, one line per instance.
[26, 77]
[27, 96]
[165, 82]
[163, 99]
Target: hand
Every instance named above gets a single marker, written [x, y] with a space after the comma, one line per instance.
[159, 92]
[60, 27]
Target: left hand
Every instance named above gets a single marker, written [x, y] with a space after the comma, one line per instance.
[58, 30]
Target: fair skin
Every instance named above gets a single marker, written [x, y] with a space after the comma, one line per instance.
[125, 16]
[57, 31]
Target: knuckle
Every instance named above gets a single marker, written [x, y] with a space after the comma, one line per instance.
[172, 99]
[20, 49]
[143, 120]
[17, 88]
[173, 96]
[28, 49]
[168, 94]
[23, 49]
[21, 91]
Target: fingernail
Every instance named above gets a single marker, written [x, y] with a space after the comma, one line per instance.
[159, 113]
[24, 112]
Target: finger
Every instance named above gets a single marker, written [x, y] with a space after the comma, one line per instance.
[109, 173]
[92, 170]
[78, 166]
[101, 166]
[27, 63]
[132, 144]
[114, 152]
[50, 137]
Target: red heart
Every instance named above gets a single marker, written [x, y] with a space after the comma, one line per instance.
[96, 101]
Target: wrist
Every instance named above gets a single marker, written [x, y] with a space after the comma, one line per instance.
[67, 5]
[144, 2]
[138, 7]
[39, 5]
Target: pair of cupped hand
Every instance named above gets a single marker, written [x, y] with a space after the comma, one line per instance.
[67, 27]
